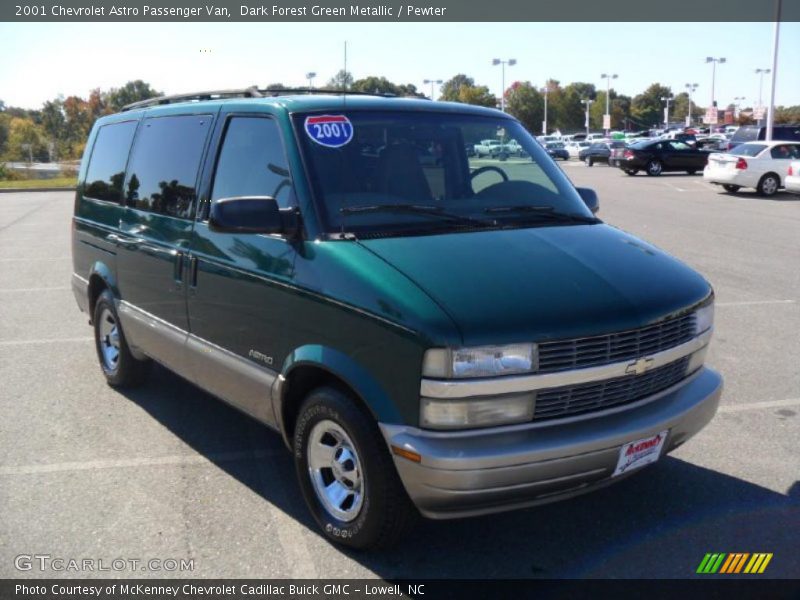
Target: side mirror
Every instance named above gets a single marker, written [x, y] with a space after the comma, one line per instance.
[589, 197]
[252, 214]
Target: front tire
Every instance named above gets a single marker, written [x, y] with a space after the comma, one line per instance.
[589, 162]
[768, 185]
[120, 367]
[346, 474]
[631, 172]
[654, 168]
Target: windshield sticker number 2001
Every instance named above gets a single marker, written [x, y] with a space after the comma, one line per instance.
[333, 131]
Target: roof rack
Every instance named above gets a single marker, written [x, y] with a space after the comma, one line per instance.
[251, 92]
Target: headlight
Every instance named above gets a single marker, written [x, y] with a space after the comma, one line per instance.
[482, 361]
[476, 412]
[704, 318]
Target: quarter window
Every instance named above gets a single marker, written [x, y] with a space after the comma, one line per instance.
[252, 162]
[166, 158]
[106, 171]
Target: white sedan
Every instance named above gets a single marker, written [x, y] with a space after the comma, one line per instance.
[759, 165]
[574, 148]
[792, 180]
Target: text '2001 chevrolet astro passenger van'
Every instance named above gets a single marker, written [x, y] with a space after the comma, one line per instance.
[429, 331]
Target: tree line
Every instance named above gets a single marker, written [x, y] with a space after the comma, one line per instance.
[58, 130]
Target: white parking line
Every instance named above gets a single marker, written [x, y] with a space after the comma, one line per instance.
[755, 302]
[46, 341]
[40, 289]
[674, 187]
[35, 258]
[759, 405]
[180, 459]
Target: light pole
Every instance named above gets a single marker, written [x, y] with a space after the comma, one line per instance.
[691, 87]
[310, 76]
[510, 62]
[666, 99]
[761, 73]
[588, 103]
[432, 82]
[713, 61]
[608, 79]
[545, 90]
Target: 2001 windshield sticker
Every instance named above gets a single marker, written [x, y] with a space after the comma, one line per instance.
[333, 131]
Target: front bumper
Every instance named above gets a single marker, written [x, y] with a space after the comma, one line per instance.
[477, 472]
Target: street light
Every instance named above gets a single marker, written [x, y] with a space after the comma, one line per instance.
[713, 61]
[666, 99]
[310, 76]
[608, 79]
[544, 91]
[432, 82]
[588, 103]
[691, 87]
[761, 73]
[510, 62]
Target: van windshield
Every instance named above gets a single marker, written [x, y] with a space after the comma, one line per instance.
[417, 172]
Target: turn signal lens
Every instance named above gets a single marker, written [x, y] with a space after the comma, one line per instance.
[476, 412]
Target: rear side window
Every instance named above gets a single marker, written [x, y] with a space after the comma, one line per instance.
[252, 162]
[163, 170]
[746, 134]
[748, 150]
[106, 171]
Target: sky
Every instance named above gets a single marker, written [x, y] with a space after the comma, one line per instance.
[42, 60]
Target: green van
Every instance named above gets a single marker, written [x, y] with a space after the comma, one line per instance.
[430, 331]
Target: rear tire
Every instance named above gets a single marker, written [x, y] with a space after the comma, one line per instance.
[768, 185]
[654, 168]
[631, 172]
[120, 367]
[350, 483]
[692, 171]
[589, 162]
[731, 188]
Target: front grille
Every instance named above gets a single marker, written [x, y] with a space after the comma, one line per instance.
[615, 347]
[600, 395]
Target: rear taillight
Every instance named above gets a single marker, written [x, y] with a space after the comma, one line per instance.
[790, 172]
[628, 153]
[741, 164]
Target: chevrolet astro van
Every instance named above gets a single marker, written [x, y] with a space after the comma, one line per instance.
[429, 332]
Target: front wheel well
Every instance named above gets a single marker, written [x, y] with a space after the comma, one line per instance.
[96, 286]
[299, 383]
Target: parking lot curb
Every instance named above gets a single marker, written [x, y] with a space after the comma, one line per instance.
[44, 189]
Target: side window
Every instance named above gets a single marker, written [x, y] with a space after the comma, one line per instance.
[252, 162]
[163, 169]
[106, 171]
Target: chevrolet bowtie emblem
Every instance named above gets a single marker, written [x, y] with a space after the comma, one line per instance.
[639, 366]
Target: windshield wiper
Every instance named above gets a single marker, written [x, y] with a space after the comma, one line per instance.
[545, 212]
[419, 209]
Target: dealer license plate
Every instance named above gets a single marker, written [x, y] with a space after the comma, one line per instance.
[635, 455]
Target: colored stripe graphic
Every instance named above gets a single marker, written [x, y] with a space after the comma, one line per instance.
[734, 562]
[758, 563]
[711, 562]
[327, 119]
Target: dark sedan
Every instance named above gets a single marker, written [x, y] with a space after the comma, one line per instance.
[657, 156]
[557, 150]
[599, 152]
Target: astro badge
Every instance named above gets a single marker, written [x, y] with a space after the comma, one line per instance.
[333, 131]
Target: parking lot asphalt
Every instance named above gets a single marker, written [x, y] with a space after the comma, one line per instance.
[167, 472]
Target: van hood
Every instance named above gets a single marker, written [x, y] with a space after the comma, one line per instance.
[544, 283]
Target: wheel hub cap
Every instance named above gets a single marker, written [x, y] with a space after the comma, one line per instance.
[109, 340]
[335, 470]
